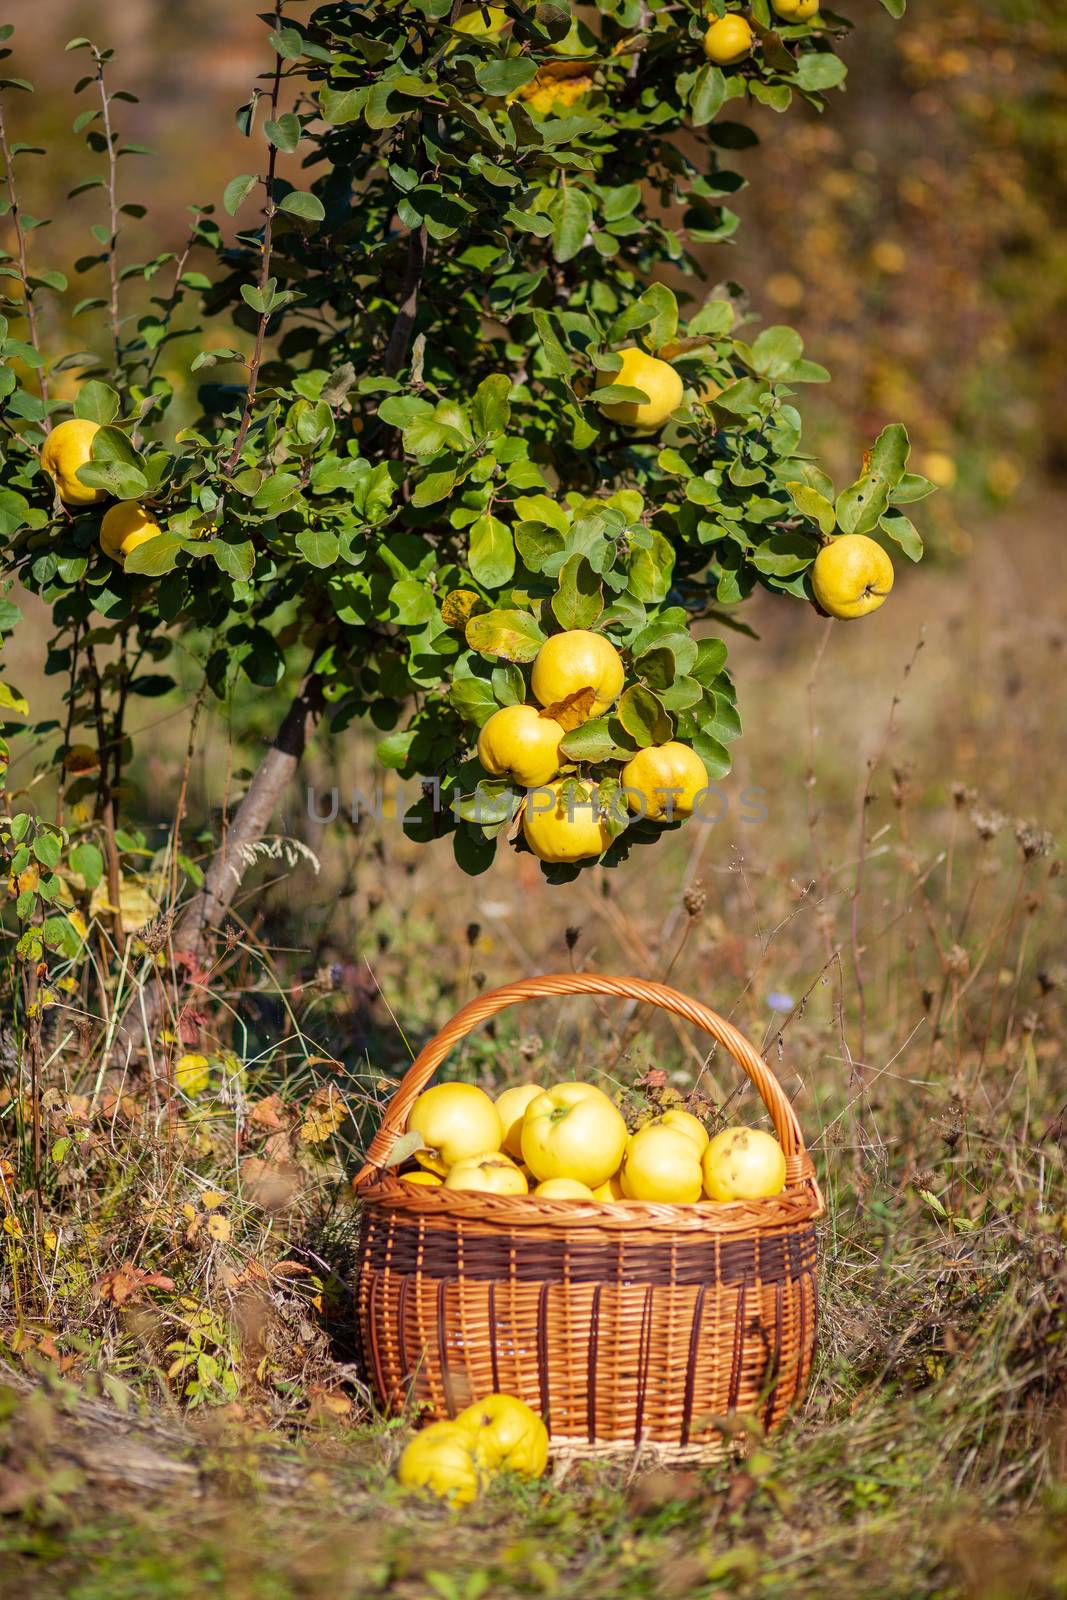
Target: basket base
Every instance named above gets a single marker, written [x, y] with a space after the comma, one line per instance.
[650, 1453]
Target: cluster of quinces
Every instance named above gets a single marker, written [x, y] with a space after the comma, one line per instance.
[571, 1142]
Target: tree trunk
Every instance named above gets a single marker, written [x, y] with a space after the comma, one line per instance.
[205, 912]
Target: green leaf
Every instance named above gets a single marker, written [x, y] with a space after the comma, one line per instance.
[815, 71]
[911, 487]
[513, 635]
[11, 700]
[96, 402]
[579, 599]
[572, 215]
[714, 754]
[156, 556]
[48, 848]
[413, 602]
[904, 533]
[111, 444]
[590, 741]
[318, 546]
[287, 42]
[810, 503]
[784, 554]
[542, 508]
[285, 133]
[860, 506]
[342, 105]
[237, 191]
[643, 716]
[775, 351]
[711, 658]
[896, 8]
[509, 685]
[672, 655]
[88, 863]
[651, 571]
[236, 560]
[490, 408]
[300, 204]
[434, 487]
[491, 556]
[473, 698]
[503, 77]
[707, 95]
[394, 749]
[124, 482]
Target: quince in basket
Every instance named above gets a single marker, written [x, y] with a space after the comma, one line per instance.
[573, 1131]
[662, 1164]
[456, 1120]
[743, 1164]
[492, 1173]
[511, 1109]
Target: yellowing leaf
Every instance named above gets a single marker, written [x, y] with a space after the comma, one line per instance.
[192, 1073]
[325, 1115]
[218, 1228]
[458, 606]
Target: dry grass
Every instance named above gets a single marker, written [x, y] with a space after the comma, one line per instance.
[183, 1415]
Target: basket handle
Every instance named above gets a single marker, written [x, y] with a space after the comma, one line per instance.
[554, 985]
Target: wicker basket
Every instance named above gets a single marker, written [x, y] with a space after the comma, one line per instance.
[627, 1326]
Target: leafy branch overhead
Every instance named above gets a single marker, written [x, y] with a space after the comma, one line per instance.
[449, 410]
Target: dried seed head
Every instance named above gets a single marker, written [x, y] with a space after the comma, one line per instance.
[1034, 842]
[572, 935]
[474, 930]
[988, 824]
[154, 935]
[958, 961]
[694, 900]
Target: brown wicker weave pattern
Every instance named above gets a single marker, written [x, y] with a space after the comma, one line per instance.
[624, 1324]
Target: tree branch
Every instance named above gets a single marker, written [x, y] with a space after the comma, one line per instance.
[396, 353]
[264, 270]
[20, 249]
[113, 220]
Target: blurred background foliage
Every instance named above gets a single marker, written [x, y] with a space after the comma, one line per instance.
[917, 236]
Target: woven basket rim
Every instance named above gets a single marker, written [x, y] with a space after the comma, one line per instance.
[797, 1203]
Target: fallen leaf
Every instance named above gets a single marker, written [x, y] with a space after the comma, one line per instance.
[272, 1185]
[269, 1113]
[128, 1282]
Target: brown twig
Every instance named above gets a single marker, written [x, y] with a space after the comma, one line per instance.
[856, 949]
[33, 1050]
[29, 293]
[69, 728]
[105, 799]
[179, 809]
[113, 220]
